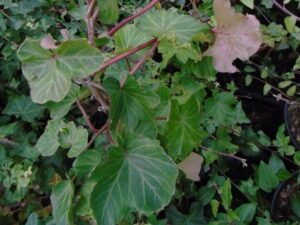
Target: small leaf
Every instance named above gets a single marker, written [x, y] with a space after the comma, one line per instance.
[109, 11]
[61, 201]
[290, 23]
[264, 73]
[248, 3]
[226, 195]
[191, 166]
[284, 84]
[292, 90]
[49, 73]
[48, 143]
[74, 138]
[246, 213]
[237, 36]
[267, 180]
[248, 80]
[214, 207]
[267, 88]
[164, 23]
[138, 176]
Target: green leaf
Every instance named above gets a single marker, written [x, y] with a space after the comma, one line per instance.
[267, 180]
[86, 162]
[59, 110]
[129, 103]
[292, 90]
[61, 201]
[214, 207]
[195, 217]
[138, 176]
[49, 73]
[182, 132]
[74, 138]
[129, 37]
[290, 23]
[267, 88]
[109, 11]
[23, 107]
[164, 23]
[225, 194]
[33, 219]
[248, 3]
[246, 213]
[284, 84]
[297, 64]
[48, 143]
[248, 80]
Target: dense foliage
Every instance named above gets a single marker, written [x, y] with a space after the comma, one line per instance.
[149, 112]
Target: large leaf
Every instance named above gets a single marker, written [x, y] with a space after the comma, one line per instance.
[166, 23]
[48, 142]
[61, 201]
[49, 72]
[23, 106]
[138, 176]
[182, 132]
[246, 213]
[109, 11]
[129, 103]
[267, 179]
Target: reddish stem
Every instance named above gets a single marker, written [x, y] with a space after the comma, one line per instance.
[128, 53]
[144, 58]
[100, 131]
[129, 19]
[86, 117]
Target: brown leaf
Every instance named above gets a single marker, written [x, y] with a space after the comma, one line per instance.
[191, 166]
[237, 36]
[48, 42]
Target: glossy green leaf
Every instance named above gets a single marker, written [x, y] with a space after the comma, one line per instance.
[129, 103]
[74, 138]
[138, 176]
[87, 161]
[49, 73]
[48, 143]
[166, 23]
[61, 201]
[109, 11]
[182, 132]
[267, 180]
[23, 107]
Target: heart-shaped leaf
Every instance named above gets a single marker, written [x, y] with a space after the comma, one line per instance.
[49, 72]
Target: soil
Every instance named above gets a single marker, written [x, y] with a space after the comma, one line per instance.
[293, 122]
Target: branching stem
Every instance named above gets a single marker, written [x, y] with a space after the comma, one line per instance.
[129, 19]
[86, 118]
[286, 11]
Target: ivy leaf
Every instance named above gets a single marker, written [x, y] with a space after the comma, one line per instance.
[129, 37]
[74, 138]
[182, 132]
[237, 36]
[195, 217]
[129, 103]
[109, 11]
[23, 107]
[86, 162]
[48, 143]
[138, 176]
[49, 73]
[61, 201]
[164, 23]
[267, 180]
